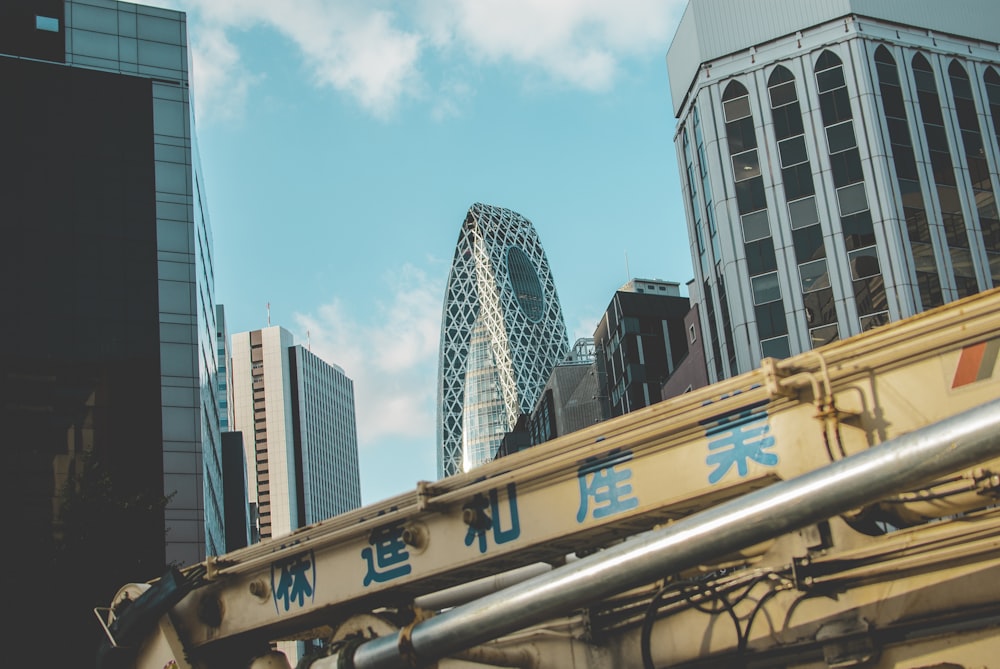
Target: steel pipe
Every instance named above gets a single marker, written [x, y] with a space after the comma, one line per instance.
[906, 462]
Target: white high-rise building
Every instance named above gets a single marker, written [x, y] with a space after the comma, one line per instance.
[839, 162]
[296, 413]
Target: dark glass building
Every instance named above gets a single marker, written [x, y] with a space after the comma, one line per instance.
[107, 362]
[639, 343]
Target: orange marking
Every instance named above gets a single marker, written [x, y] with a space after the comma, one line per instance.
[968, 364]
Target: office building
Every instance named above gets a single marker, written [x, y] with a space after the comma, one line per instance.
[296, 413]
[839, 164]
[638, 344]
[236, 505]
[691, 372]
[502, 332]
[570, 400]
[107, 358]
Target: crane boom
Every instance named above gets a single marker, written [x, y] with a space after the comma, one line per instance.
[651, 471]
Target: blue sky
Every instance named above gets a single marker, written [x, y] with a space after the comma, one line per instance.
[343, 142]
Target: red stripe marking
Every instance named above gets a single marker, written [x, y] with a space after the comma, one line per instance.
[968, 364]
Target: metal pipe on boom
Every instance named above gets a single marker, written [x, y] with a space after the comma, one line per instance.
[909, 461]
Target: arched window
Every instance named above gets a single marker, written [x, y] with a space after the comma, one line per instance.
[992, 81]
[800, 201]
[924, 266]
[751, 202]
[852, 198]
[939, 151]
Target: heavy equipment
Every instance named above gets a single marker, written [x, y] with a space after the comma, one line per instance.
[833, 509]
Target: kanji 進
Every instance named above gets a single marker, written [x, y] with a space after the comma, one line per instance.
[386, 555]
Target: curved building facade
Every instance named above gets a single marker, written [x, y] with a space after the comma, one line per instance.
[502, 332]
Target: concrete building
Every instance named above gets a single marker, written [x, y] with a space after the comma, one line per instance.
[108, 366]
[296, 413]
[502, 332]
[691, 372]
[839, 164]
[638, 344]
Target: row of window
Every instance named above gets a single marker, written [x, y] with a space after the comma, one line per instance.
[851, 196]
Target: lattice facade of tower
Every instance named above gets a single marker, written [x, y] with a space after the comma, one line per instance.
[502, 332]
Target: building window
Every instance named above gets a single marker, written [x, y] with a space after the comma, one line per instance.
[746, 165]
[978, 166]
[814, 275]
[792, 151]
[755, 226]
[840, 137]
[939, 151]
[775, 348]
[47, 23]
[852, 199]
[802, 213]
[766, 288]
[782, 94]
[737, 108]
[874, 320]
[908, 179]
[848, 177]
[864, 263]
[823, 335]
[691, 334]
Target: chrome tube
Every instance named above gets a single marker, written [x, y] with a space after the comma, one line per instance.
[906, 462]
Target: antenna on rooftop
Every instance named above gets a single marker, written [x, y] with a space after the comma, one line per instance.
[308, 342]
[628, 273]
[268, 314]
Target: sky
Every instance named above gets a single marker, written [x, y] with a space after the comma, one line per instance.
[343, 141]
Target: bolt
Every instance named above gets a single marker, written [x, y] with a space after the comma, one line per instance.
[258, 589]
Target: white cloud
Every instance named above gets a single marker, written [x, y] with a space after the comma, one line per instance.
[390, 352]
[574, 42]
[222, 83]
[372, 50]
[584, 328]
[355, 47]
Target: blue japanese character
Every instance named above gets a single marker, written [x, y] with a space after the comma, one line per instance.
[599, 479]
[483, 520]
[386, 555]
[744, 434]
[293, 580]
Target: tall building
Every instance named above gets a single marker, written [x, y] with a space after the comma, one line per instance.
[638, 344]
[107, 362]
[839, 163]
[502, 332]
[296, 413]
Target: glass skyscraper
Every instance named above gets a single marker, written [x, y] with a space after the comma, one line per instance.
[502, 332]
[839, 164]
